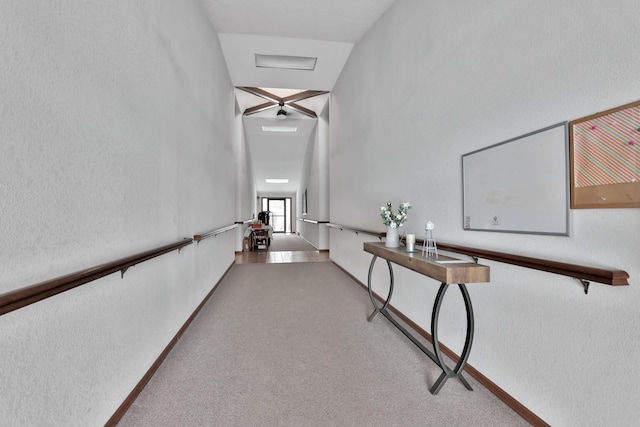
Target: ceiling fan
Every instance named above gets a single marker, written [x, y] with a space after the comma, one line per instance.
[274, 101]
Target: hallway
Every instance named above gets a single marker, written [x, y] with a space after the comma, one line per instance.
[285, 248]
[286, 343]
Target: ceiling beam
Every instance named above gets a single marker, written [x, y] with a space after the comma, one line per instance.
[261, 93]
[258, 108]
[303, 95]
[303, 110]
[275, 101]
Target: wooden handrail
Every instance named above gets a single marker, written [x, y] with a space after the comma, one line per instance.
[378, 234]
[214, 233]
[19, 298]
[580, 272]
[313, 221]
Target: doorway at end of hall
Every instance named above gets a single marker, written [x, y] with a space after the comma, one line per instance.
[279, 209]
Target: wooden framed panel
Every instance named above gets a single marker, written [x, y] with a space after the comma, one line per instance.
[605, 159]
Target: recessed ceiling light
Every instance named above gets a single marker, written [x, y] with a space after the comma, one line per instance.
[277, 180]
[286, 62]
[279, 129]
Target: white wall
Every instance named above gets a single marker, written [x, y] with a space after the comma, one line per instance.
[246, 195]
[116, 138]
[434, 80]
[323, 177]
[316, 181]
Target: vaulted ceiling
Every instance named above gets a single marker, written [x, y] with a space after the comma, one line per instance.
[326, 30]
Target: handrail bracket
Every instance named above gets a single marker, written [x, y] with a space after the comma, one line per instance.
[585, 284]
[124, 270]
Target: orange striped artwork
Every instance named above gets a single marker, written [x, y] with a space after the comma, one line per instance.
[606, 149]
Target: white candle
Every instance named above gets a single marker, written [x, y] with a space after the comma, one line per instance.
[411, 242]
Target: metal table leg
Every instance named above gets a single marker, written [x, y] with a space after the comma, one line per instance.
[377, 309]
[436, 355]
[457, 371]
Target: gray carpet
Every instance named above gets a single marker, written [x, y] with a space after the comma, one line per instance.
[289, 242]
[289, 345]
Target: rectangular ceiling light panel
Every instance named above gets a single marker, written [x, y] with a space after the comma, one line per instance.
[277, 181]
[279, 129]
[286, 62]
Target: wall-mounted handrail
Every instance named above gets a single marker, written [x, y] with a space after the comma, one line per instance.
[313, 221]
[377, 234]
[214, 233]
[22, 297]
[580, 272]
[246, 221]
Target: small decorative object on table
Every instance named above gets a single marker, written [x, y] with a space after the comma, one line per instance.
[429, 247]
[410, 243]
[393, 221]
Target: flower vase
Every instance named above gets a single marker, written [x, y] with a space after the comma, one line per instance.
[392, 240]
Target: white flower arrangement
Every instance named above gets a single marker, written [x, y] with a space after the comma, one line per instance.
[394, 220]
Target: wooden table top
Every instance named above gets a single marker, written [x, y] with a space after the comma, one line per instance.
[449, 273]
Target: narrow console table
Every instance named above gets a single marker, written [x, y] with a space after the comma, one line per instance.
[446, 270]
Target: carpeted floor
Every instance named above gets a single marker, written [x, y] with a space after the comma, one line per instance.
[289, 242]
[289, 345]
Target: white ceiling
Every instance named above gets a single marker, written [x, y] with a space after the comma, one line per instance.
[240, 49]
[329, 20]
[325, 29]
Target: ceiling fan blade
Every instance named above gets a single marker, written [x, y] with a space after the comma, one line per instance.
[259, 108]
[303, 95]
[261, 93]
[302, 110]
